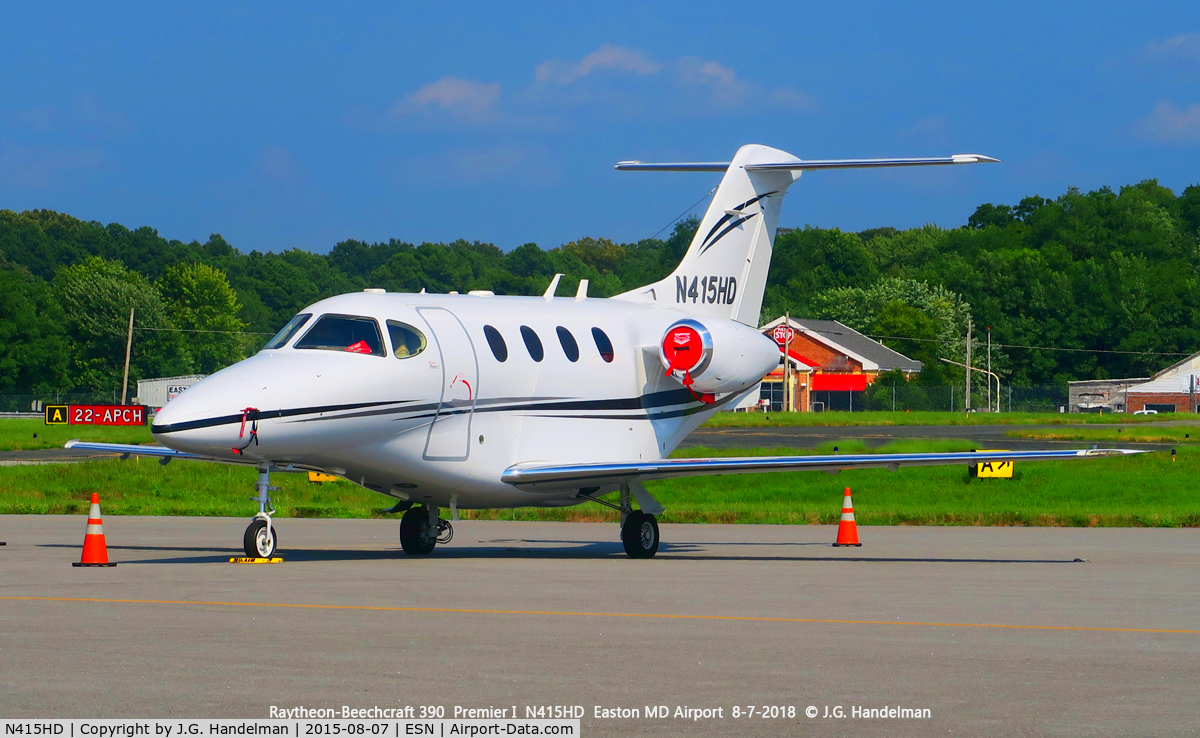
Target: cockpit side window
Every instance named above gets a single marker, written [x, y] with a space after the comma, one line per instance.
[288, 332]
[406, 340]
[351, 333]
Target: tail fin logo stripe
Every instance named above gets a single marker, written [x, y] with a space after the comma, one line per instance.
[722, 234]
[709, 240]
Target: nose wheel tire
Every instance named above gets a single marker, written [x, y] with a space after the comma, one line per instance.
[257, 542]
[416, 538]
[639, 535]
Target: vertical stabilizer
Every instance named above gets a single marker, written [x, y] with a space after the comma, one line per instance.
[724, 273]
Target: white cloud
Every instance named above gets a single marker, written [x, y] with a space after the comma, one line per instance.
[279, 164]
[1182, 48]
[608, 56]
[450, 98]
[790, 98]
[1168, 123]
[687, 83]
[100, 118]
[84, 114]
[457, 94]
[510, 162]
[45, 167]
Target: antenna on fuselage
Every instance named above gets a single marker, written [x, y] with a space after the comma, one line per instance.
[552, 288]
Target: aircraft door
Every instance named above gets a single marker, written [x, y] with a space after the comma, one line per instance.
[450, 433]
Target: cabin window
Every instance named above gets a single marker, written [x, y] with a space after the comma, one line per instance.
[496, 342]
[350, 333]
[603, 345]
[286, 333]
[533, 343]
[569, 347]
[406, 340]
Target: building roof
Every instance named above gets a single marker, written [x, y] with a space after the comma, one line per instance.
[1180, 367]
[1174, 385]
[873, 354]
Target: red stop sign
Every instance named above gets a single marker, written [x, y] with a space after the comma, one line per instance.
[783, 334]
[683, 348]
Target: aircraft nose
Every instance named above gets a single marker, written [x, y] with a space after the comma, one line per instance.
[207, 418]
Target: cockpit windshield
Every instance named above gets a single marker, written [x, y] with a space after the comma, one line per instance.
[351, 333]
[286, 333]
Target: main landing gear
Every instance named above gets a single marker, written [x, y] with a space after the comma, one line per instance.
[639, 530]
[261, 539]
[421, 529]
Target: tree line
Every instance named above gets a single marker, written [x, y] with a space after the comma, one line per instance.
[1114, 275]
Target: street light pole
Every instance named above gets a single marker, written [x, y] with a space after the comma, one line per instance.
[967, 406]
[989, 369]
[128, 347]
[955, 363]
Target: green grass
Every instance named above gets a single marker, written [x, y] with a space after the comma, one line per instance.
[841, 418]
[1145, 490]
[1144, 434]
[33, 433]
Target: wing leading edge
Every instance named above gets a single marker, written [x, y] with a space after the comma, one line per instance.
[158, 452]
[548, 478]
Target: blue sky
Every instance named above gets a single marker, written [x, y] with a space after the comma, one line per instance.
[297, 124]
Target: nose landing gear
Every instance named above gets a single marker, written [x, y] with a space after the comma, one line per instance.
[261, 539]
[421, 529]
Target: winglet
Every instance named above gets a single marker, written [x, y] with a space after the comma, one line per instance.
[552, 288]
[581, 293]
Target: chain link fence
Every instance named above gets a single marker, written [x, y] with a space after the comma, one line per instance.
[28, 403]
[952, 398]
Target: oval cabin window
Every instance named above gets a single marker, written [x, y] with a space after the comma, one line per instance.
[533, 343]
[569, 347]
[603, 345]
[496, 343]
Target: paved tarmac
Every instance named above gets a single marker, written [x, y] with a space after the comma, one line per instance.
[997, 631]
[50, 456]
[985, 436]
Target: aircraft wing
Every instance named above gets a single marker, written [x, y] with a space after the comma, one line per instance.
[546, 477]
[159, 452]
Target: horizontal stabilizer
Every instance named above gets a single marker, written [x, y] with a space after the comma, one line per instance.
[538, 477]
[811, 164]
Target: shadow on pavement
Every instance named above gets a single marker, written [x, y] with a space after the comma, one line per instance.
[571, 550]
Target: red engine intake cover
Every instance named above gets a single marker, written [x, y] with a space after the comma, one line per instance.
[683, 348]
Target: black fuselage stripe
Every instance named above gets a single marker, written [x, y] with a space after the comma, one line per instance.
[643, 402]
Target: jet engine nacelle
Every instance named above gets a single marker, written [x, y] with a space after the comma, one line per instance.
[717, 356]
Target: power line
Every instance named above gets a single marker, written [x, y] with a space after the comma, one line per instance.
[200, 330]
[1036, 348]
[685, 212]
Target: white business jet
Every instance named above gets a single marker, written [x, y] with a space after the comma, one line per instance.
[480, 401]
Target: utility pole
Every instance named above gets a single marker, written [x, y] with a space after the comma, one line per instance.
[989, 329]
[128, 348]
[967, 408]
[787, 374]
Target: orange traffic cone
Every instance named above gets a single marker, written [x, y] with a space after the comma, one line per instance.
[847, 528]
[95, 550]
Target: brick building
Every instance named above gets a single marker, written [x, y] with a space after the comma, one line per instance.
[828, 363]
[1172, 390]
[1172, 394]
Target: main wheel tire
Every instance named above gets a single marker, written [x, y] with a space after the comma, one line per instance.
[414, 532]
[639, 535]
[255, 541]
